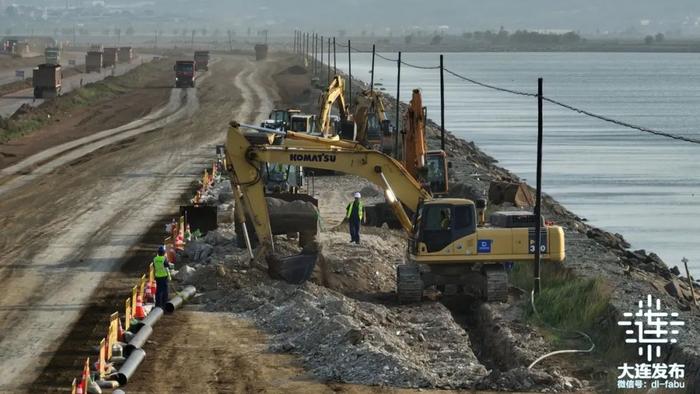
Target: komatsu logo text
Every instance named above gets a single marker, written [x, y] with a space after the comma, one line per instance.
[319, 157]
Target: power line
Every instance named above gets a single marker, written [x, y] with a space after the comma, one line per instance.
[550, 100]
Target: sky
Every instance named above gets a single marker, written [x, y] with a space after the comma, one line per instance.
[401, 16]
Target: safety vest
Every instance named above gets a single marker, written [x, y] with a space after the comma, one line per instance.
[359, 207]
[159, 267]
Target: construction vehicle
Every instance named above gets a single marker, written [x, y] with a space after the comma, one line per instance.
[52, 55]
[125, 55]
[109, 57]
[185, 73]
[303, 123]
[450, 245]
[93, 61]
[260, 52]
[428, 168]
[201, 60]
[292, 211]
[47, 80]
[335, 92]
[373, 127]
[281, 118]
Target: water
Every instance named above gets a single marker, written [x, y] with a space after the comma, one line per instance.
[642, 186]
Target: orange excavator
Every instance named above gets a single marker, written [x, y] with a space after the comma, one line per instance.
[427, 167]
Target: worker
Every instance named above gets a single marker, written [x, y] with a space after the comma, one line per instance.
[162, 273]
[445, 219]
[354, 213]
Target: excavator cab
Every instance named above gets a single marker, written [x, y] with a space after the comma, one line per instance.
[436, 174]
[439, 225]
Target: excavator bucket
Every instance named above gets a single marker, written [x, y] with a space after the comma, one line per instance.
[514, 193]
[293, 269]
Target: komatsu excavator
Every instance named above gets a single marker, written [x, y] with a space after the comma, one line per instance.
[373, 127]
[335, 93]
[449, 242]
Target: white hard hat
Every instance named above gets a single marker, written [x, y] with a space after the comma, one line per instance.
[357, 195]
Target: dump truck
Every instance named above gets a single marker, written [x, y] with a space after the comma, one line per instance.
[201, 60]
[93, 61]
[260, 51]
[126, 55]
[109, 57]
[52, 55]
[185, 73]
[46, 79]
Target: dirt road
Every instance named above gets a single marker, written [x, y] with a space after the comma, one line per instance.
[71, 227]
[9, 103]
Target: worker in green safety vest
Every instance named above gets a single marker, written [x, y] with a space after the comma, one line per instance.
[354, 213]
[162, 273]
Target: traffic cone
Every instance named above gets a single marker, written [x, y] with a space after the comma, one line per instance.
[120, 331]
[148, 294]
[79, 389]
[139, 313]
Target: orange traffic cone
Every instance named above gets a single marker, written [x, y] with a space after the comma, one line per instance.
[148, 294]
[140, 313]
[120, 331]
[170, 254]
[79, 389]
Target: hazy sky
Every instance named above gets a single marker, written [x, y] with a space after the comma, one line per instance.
[400, 15]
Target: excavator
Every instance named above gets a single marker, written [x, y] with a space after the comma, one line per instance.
[428, 167]
[450, 244]
[373, 127]
[335, 93]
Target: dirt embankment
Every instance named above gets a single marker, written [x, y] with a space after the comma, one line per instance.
[98, 106]
[626, 276]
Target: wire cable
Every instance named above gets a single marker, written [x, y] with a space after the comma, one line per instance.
[622, 123]
[580, 333]
[581, 111]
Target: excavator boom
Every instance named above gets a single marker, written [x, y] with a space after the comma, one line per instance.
[334, 93]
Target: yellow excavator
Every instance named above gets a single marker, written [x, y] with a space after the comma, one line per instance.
[335, 94]
[449, 242]
[373, 127]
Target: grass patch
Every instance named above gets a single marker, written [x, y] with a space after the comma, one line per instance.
[29, 119]
[573, 303]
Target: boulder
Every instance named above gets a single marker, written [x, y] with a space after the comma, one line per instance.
[198, 251]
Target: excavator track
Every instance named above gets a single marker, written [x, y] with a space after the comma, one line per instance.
[409, 285]
[496, 283]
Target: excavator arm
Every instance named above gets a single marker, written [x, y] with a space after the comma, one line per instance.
[399, 186]
[335, 92]
[368, 103]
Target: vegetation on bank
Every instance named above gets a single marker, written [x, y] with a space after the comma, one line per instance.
[571, 303]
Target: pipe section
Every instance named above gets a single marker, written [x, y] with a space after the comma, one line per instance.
[132, 363]
[153, 316]
[177, 301]
[137, 341]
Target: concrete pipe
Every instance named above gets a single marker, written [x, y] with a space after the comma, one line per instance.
[108, 384]
[137, 341]
[178, 300]
[153, 316]
[132, 363]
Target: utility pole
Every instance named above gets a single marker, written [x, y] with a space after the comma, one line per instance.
[349, 77]
[320, 63]
[538, 193]
[442, 104]
[371, 80]
[335, 69]
[398, 106]
[329, 60]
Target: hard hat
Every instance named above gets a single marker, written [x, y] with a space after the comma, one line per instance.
[161, 249]
[357, 195]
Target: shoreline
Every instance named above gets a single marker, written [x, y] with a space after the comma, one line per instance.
[591, 252]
